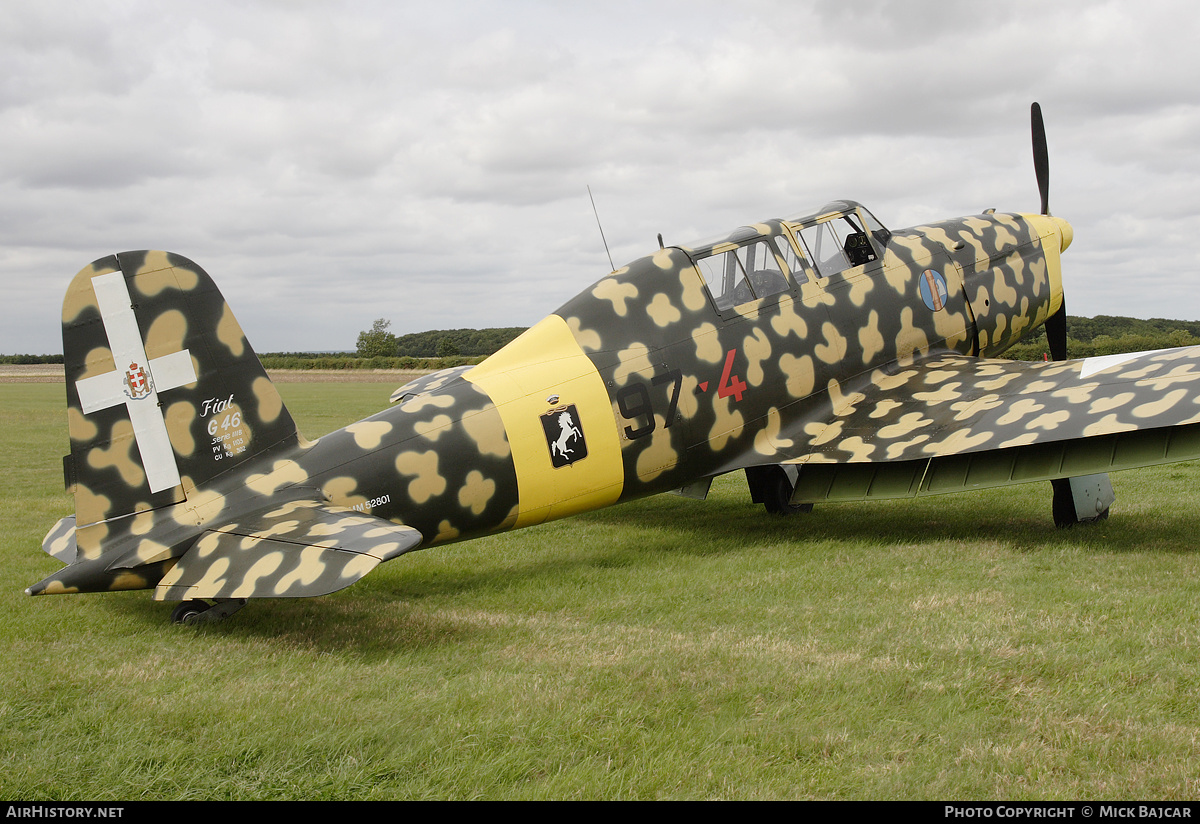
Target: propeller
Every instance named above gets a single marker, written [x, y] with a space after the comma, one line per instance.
[1056, 324]
[1041, 157]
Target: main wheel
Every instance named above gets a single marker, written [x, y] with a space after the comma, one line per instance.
[189, 612]
[770, 486]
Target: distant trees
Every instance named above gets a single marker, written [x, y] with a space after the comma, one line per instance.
[28, 359]
[1109, 335]
[1086, 337]
[436, 343]
[469, 343]
[377, 341]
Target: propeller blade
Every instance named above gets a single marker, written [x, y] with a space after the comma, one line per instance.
[1041, 157]
[1056, 324]
[1056, 333]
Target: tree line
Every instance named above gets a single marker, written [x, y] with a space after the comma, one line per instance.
[436, 343]
[441, 348]
[1086, 337]
[1110, 335]
[25, 359]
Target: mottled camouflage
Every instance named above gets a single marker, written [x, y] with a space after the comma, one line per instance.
[222, 532]
[300, 547]
[798, 351]
[868, 377]
[438, 461]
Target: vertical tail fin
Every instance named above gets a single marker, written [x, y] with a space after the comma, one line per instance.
[164, 393]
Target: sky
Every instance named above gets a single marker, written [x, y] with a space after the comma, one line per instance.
[330, 163]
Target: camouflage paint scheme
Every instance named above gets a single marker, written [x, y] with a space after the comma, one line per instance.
[874, 380]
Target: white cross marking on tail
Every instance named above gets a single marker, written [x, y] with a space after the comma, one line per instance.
[136, 381]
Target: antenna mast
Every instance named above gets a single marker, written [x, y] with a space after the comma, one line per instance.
[601, 228]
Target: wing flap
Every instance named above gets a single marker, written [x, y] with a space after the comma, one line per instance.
[999, 467]
[298, 549]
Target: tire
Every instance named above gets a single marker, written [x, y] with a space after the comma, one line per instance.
[189, 612]
[770, 487]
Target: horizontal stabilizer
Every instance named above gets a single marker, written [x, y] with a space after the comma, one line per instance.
[298, 549]
[59, 542]
[428, 383]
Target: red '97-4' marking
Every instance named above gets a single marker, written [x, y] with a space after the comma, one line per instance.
[730, 384]
[636, 401]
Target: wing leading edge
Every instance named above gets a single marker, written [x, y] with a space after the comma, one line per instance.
[949, 423]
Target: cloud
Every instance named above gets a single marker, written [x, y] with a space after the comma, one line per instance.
[331, 163]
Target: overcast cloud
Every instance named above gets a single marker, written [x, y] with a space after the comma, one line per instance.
[332, 163]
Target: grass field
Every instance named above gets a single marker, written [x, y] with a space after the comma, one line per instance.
[951, 648]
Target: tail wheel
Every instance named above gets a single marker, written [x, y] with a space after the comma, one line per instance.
[195, 612]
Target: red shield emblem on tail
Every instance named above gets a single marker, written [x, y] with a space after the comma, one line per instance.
[137, 381]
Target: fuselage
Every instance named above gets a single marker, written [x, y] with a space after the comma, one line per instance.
[672, 369]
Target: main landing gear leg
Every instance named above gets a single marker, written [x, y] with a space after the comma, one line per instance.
[772, 487]
[1081, 500]
[200, 612]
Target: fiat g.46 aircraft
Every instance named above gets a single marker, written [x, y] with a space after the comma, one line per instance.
[825, 356]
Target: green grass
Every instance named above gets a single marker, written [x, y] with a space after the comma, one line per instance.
[951, 648]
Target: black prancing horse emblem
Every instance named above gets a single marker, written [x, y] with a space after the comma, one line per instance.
[564, 436]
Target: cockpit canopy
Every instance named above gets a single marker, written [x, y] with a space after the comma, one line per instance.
[841, 236]
[765, 259]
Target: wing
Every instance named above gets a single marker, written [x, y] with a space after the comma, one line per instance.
[297, 549]
[949, 423]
